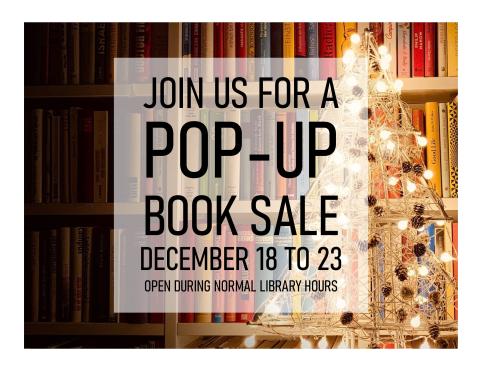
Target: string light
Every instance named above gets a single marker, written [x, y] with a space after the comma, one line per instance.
[423, 271]
[385, 134]
[422, 141]
[381, 86]
[305, 344]
[393, 180]
[382, 50]
[411, 187]
[428, 174]
[402, 225]
[349, 57]
[425, 344]
[322, 344]
[250, 341]
[415, 321]
[398, 85]
[446, 257]
[355, 38]
[390, 145]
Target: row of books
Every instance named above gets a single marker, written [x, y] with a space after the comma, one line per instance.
[438, 122]
[67, 152]
[69, 277]
[83, 53]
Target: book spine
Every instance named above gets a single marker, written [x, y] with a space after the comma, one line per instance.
[376, 28]
[190, 186]
[390, 41]
[281, 182]
[418, 50]
[141, 49]
[35, 275]
[327, 49]
[112, 51]
[418, 123]
[77, 280]
[251, 51]
[433, 148]
[204, 180]
[230, 300]
[262, 275]
[215, 185]
[186, 40]
[132, 166]
[47, 157]
[303, 180]
[64, 270]
[159, 40]
[100, 155]
[312, 51]
[57, 61]
[442, 49]
[87, 274]
[232, 163]
[452, 125]
[196, 50]
[85, 163]
[73, 55]
[245, 155]
[291, 151]
[37, 154]
[207, 50]
[52, 273]
[449, 292]
[443, 128]
[241, 48]
[65, 157]
[430, 52]
[73, 146]
[289, 49]
[218, 49]
[262, 49]
[187, 299]
[343, 32]
[229, 49]
[43, 311]
[203, 300]
[269, 169]
[300, 39]
[276, 44]
[100, 276]
[218, 298]
[113, 238]
[257, 168]
[87, 55]
[100, 52]
[246, 300]
[452, 49]
[403, 49]
[55, 158]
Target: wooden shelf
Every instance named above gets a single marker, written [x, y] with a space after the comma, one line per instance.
[415, 90]
[105, 329]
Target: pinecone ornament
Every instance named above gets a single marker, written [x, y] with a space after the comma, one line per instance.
[419, 209]
[346, 318]
[371, 157]
[407, 166]
[418, 221]
[379, 211]
[372, 200]
[374, 241]
[434, 297]
[406, 293]
[418, 169]
[386, 290]
[401, 315]
[419, 249]
[357, 91]
[434, 331]
[401, 272]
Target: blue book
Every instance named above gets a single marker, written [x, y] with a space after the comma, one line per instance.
[303, 180]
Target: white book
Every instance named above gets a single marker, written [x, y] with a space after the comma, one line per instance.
[232, 163]
[442, 49]
[390, 41]
[444, 164]
[100, 155]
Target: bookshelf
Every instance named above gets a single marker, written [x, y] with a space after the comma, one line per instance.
[415, 91]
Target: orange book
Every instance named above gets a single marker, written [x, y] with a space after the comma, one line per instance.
[418, 123]
[432, 129]
[289, 49]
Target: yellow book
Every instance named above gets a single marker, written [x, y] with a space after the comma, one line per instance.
[452, 127]
[344, 31]
[432, 128]
[452, 49]
[289, 49]
[449, 291]
[203, 300]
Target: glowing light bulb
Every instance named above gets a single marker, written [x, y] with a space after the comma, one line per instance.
[385, 62]
[352, 80]
[382, 50]
[411, 272]
[398, 84]
[342, 345]
[385, 134]
[381, 86]
[393, 180]
[250, 341]
[422, 141]
[341, 303]
[446, 257]
[422, 271]
[355, 106]
[322, 344]
[390, 145]
[415, 321]
[425, 344]
[420, 299]
[402, 225]
[355, 38]
[440, 223]
[348, 57]
[411, 187]
[305, 344]
[421, 229]
[428, 174]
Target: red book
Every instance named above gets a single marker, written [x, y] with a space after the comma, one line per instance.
[377, 30]
[291, 154]
[327, 49]
[300, 41]
[241, 48]
[430, 50]
[418, 53]
[455, 263]
[218, 50]
[85, 158]
[246, 300]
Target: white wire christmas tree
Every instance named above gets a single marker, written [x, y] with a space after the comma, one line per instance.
[409, 287]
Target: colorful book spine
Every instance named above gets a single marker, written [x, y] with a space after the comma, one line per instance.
[218, 298]
[196, 50]
[203, 300]
[452, 49]
[229, 49]
[257, 168]
[232, 163]
[433, 149]
[452, 123]
[246, 300]
[100, 155]
[251, 51]
[303, 180]
[288, 49]
[262, 275]
[245, 155]
[376, 28]
[262, 49]
[418, 49]
[445, 167]
[218, 50]
[100, 52]
[241, 48]
[390, 41]
[206, 50]
[403, 49]
[327, 49]
[442, 49]
[430, 48]
[269, 169]
[313, 72]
